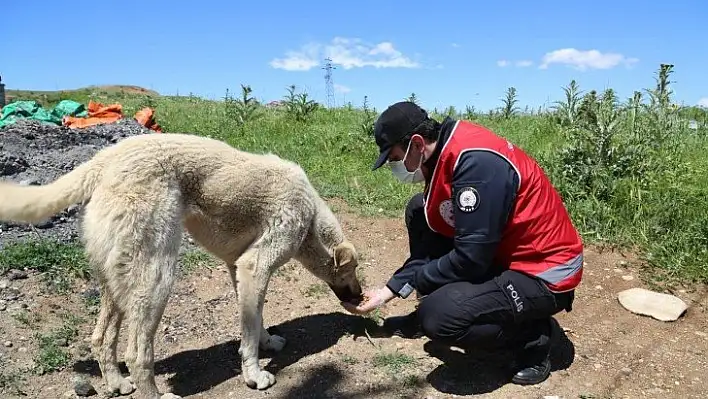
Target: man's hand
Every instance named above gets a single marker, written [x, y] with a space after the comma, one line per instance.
[372, 300]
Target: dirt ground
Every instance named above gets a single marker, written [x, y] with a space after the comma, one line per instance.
[607, 352]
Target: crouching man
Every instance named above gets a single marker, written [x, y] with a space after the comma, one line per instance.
[493, 252]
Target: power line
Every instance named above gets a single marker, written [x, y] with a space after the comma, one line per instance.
[329, 85]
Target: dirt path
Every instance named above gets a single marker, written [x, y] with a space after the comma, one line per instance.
[609, 353]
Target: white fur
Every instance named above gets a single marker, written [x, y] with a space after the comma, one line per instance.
[254, 212]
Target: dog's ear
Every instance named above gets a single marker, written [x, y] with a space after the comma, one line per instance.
[345, 255]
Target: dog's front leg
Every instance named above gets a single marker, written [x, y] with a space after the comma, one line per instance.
[267, 341]
[251, 295]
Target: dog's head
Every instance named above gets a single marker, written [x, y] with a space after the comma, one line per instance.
[336, 267]
[344, 282]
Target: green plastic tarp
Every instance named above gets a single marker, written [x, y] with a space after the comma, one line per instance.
[29, 109]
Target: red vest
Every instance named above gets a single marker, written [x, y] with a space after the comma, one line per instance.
[539, 238]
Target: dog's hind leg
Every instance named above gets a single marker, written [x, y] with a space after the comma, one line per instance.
[150, 297]
[146, 233]
[105, 238]
[105, 340]
[253, 269]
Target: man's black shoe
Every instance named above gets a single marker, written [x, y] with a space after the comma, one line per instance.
[535, 365]
[533, 374]
[404, 326]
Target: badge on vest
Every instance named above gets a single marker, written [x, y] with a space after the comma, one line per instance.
[468, 199]
[447, 211]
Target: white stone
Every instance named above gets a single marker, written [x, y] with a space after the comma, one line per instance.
[660, 306]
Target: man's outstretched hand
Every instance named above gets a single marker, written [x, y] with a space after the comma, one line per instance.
[372, 300]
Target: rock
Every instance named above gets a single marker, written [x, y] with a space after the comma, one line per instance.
[660, 306]
[15, 274]
[44, 225]
[11, 294]
[4, 283]
[627, 278]
[8, 344]
[626, 371]
[83, 387]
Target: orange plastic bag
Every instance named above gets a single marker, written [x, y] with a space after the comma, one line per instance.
[99, 113]
[146, 117]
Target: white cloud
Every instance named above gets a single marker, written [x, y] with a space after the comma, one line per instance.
[455, 45]
[344, 52]
[341, 88]
[703, 102]
[520, 64]
[302, 60]
[588, 59]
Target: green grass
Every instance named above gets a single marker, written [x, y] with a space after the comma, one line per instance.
[315, 291]
[197, 259]
[51, 98]
[53, 354]
[393, 362]
[58, 262]
[631, 173]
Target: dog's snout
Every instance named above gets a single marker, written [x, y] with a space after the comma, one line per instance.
[347, 293]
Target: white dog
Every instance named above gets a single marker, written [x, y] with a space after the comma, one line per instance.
[254, 212]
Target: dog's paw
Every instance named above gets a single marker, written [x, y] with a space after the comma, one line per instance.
[275, 343]
[122, 386]
[260, 379]
[170, 395]
[126, 386]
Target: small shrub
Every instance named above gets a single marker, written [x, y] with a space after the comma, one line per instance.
[298, 106]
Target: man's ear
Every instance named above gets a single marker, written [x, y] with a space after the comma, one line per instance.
[345, 255]
[417, 143]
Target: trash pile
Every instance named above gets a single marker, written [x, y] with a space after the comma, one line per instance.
[73, 114]
[35, 149]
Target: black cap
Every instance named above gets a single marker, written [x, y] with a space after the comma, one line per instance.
[395, 123]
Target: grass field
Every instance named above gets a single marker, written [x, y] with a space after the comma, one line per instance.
[632, 173]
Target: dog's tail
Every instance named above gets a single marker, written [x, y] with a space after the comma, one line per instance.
[33, 204]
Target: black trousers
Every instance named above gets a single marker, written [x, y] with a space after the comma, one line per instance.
[509, 309]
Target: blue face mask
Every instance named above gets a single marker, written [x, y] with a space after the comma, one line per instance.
[398, 168]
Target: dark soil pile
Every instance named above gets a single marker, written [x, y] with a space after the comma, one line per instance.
[35, 153]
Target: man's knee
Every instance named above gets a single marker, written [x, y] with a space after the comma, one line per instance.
[433, 322]
[440, 318]
[465, 314]
[414, 214]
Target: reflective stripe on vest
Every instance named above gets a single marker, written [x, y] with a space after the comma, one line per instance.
[558, 274]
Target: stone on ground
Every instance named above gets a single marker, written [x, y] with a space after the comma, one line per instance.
[660, 306]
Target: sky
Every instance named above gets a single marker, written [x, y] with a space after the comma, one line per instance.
[457, 53]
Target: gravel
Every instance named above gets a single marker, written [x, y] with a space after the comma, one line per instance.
[34, 153]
